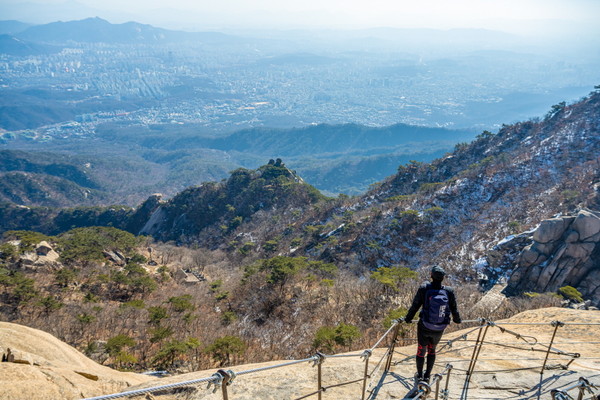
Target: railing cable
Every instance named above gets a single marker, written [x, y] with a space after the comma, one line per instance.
[224, 378]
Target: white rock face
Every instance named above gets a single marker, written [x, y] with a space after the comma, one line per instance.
[565, 252]
[43, 256]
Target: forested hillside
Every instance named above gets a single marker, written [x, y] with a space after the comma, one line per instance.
[231, 271]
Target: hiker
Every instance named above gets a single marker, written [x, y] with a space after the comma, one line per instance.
[438, 303]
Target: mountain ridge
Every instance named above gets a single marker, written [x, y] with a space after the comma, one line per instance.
[95, 29]
[325, 155]
[14, 46]
[454, 209]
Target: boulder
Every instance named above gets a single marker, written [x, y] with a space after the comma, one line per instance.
[544, 248]
[114, 257]
[546, 274]
[565, 266]
[27, 259]
[578, 274]
[572, 236]
[594, 239]
[42, 367]
[43, 248]
[590, 286]
[551, 230]
[46, 254]
[587, 224]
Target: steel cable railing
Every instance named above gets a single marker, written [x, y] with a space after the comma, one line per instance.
[224, 378]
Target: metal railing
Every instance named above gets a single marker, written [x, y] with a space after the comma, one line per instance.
[222, 379]
[583, 386]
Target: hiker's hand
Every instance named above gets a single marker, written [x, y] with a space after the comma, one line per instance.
[457, 320]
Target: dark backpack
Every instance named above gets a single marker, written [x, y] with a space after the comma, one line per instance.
[436, 310]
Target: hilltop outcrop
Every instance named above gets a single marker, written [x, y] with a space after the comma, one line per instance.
[565, 251]
[213, 209]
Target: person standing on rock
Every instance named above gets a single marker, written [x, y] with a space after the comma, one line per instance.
[438, 302]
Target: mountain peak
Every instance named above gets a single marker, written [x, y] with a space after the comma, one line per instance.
[221, 207]
[93, 29]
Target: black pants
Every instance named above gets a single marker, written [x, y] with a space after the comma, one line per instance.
[427, 342]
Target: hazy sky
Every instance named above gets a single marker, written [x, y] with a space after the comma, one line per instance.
[508, 15]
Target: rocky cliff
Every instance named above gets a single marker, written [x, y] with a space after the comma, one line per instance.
[565, 251]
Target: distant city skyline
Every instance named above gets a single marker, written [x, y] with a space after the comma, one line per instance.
[517, 16]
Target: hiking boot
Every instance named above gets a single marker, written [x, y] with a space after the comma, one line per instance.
[421, 384]
[415, 389]
[418, 378]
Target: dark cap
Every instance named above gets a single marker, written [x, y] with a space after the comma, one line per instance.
[437, 273]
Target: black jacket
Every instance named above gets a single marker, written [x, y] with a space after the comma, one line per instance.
[419, 300]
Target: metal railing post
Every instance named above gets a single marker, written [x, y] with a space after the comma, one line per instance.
[556, 325]
[224, 391]
[581, 392]
[320, 359]
[319, 385]
[475, 355]
[477, 348]
[437, 385]
[445, 392]
[392, 347]
[367, 355]
[227, 379]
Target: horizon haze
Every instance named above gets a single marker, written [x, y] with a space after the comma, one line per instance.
[531, 17]
[465, 67]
